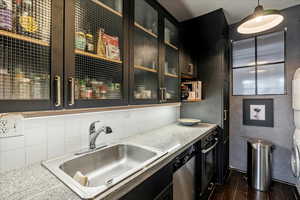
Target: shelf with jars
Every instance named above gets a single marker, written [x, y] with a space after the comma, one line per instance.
[23, 38]
[171, 45]
[97, 89]
[114, 6]
[26, 20]
[148, 31]
[92, 55]
[171, 75]
[145, 68]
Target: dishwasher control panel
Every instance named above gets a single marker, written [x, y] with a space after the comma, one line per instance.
[184, 158]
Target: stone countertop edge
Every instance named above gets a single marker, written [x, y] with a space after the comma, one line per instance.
[49, 187]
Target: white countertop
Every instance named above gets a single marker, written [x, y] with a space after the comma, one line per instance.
[36, 182]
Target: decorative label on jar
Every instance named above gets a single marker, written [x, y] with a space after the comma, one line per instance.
[80, 41]
[6, 14]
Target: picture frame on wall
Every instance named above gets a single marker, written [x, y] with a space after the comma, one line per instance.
[258, 112]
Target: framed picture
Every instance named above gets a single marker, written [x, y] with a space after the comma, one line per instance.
[258, 112]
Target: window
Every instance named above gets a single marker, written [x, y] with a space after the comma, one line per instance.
[258, 65]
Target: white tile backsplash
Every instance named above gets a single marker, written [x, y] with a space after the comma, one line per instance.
[12, 159]
[36, 154]
[12, 143]
[49, 137]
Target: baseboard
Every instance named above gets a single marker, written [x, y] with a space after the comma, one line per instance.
[273, 179]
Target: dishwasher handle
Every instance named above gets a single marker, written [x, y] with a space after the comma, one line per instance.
[205, 151]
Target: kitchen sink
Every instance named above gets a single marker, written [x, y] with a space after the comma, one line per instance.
[102, 168]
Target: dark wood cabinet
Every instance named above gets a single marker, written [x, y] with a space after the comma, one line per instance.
[209, 45]
[88, 53]
[157, 187]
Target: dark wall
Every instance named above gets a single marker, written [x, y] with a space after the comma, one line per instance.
[281, 134]
[207, 37]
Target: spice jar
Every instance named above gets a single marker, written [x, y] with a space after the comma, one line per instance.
[36, 87]
[82, 89]
[80, 41]
[90, 43]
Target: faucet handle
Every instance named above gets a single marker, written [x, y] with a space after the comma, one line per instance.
[108, 130]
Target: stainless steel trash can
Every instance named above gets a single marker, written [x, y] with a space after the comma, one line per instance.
[259, 164]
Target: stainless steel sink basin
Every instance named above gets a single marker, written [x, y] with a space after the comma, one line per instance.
[103, 168]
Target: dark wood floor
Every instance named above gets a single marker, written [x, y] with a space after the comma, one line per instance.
[237, 188]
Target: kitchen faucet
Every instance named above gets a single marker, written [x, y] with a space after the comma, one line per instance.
[93, 133]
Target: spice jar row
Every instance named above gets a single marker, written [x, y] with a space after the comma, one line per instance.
[94, 89]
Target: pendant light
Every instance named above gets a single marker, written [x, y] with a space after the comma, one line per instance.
[261, 20]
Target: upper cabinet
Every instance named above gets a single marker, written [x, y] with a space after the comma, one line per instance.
[30, 57]
[86, 53]
[145, 73]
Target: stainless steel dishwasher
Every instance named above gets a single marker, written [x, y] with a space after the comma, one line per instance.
[184, 175]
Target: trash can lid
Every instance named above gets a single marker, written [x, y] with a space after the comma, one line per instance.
[258, 141]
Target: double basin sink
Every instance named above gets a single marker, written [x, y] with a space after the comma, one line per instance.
[102, 168]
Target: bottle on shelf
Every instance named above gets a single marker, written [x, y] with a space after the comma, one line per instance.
[90, 47]
[101, 45]
[22, 85]
[82, 89]
[6, 17]
[36, 87]
[27, 24]
[80, 40]
[88, 89]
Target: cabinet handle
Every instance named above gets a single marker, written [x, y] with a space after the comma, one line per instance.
[165, 94]
[161, 95]
[71, 91]
[225, 115]
[57, 81]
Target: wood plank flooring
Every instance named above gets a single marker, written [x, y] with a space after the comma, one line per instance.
[237, 188]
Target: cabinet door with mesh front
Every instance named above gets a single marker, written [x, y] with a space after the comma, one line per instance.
[96, 74]
[30, 55]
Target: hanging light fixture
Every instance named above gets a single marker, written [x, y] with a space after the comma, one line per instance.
[261, 20]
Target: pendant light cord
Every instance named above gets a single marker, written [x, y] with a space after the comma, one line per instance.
[258, 2]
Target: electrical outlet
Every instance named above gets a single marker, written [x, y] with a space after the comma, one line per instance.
[8, 126]
[4, 128]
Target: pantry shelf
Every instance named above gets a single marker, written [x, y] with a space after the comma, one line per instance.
[145, 30]
[186, 77]
[145, 68]
[191, 101]
[171, 75]
[24, 38]
[171, 45]
[107, 7]
[79, 52]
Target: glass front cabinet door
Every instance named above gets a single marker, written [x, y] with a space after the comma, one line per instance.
[171, 62]
[95, 76]
[31, 62]
[145, 41]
